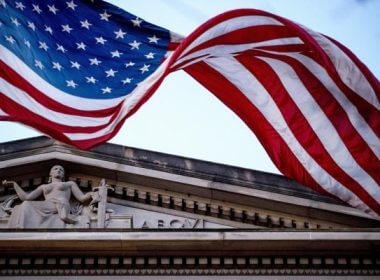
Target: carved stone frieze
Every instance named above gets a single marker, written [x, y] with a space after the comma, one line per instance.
[33, 212]
[170, 200]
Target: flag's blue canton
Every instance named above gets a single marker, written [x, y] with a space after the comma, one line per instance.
[93, 50]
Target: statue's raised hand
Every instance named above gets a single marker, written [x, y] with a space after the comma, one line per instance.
[8, 183]
[95, 197]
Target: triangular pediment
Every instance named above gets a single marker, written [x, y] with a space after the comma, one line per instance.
[153, 190]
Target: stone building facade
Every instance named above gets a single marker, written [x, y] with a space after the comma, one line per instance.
[154, 214]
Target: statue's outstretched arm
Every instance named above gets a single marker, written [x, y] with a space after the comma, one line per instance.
[80, 196]
[77, 193]
[22, 194]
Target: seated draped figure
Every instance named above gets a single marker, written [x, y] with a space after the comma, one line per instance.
[56, 210]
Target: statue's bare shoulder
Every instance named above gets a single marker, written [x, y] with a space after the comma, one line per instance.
[71, 183]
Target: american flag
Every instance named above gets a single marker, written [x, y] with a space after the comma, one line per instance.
[76, 70]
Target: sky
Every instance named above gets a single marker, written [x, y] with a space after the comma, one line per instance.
[183, 118]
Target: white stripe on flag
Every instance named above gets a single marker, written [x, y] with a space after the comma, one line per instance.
[240, 77]
[223, 50]
[228, 26]
[3, 114]
[23, 99]
[175, 37]
[347, 69]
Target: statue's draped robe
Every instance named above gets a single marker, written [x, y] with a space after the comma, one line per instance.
[37, 214]
[46, 213]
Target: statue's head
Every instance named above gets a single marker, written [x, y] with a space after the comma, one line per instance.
[58, 172]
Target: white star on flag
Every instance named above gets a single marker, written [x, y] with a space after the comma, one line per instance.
[119, 34]
[126, 81]
[36, 8]
[61, 48]
[43, 45]
[106, 90]
[111, 73]
[149, 55]
[31, 25]
[38, 64]
[15, 21]
[27, 43]
[104, 16]
[66, 28]
[85, 24]
[153, 39]
[116, 53]
[91, 80]
[145, 68]
[10, 39]
[57, 66]
[20, 5]
[49, 29]
[137, 22]
[94, 61]
[71, 83]
[81, 45]
[71, 5]
[129, 64]
[53, 9]
[100, 40]
[75, 64]
[135, 45]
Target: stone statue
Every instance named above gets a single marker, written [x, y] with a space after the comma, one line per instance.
[54, 211]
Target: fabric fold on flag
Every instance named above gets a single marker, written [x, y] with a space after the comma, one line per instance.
[75, 70]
